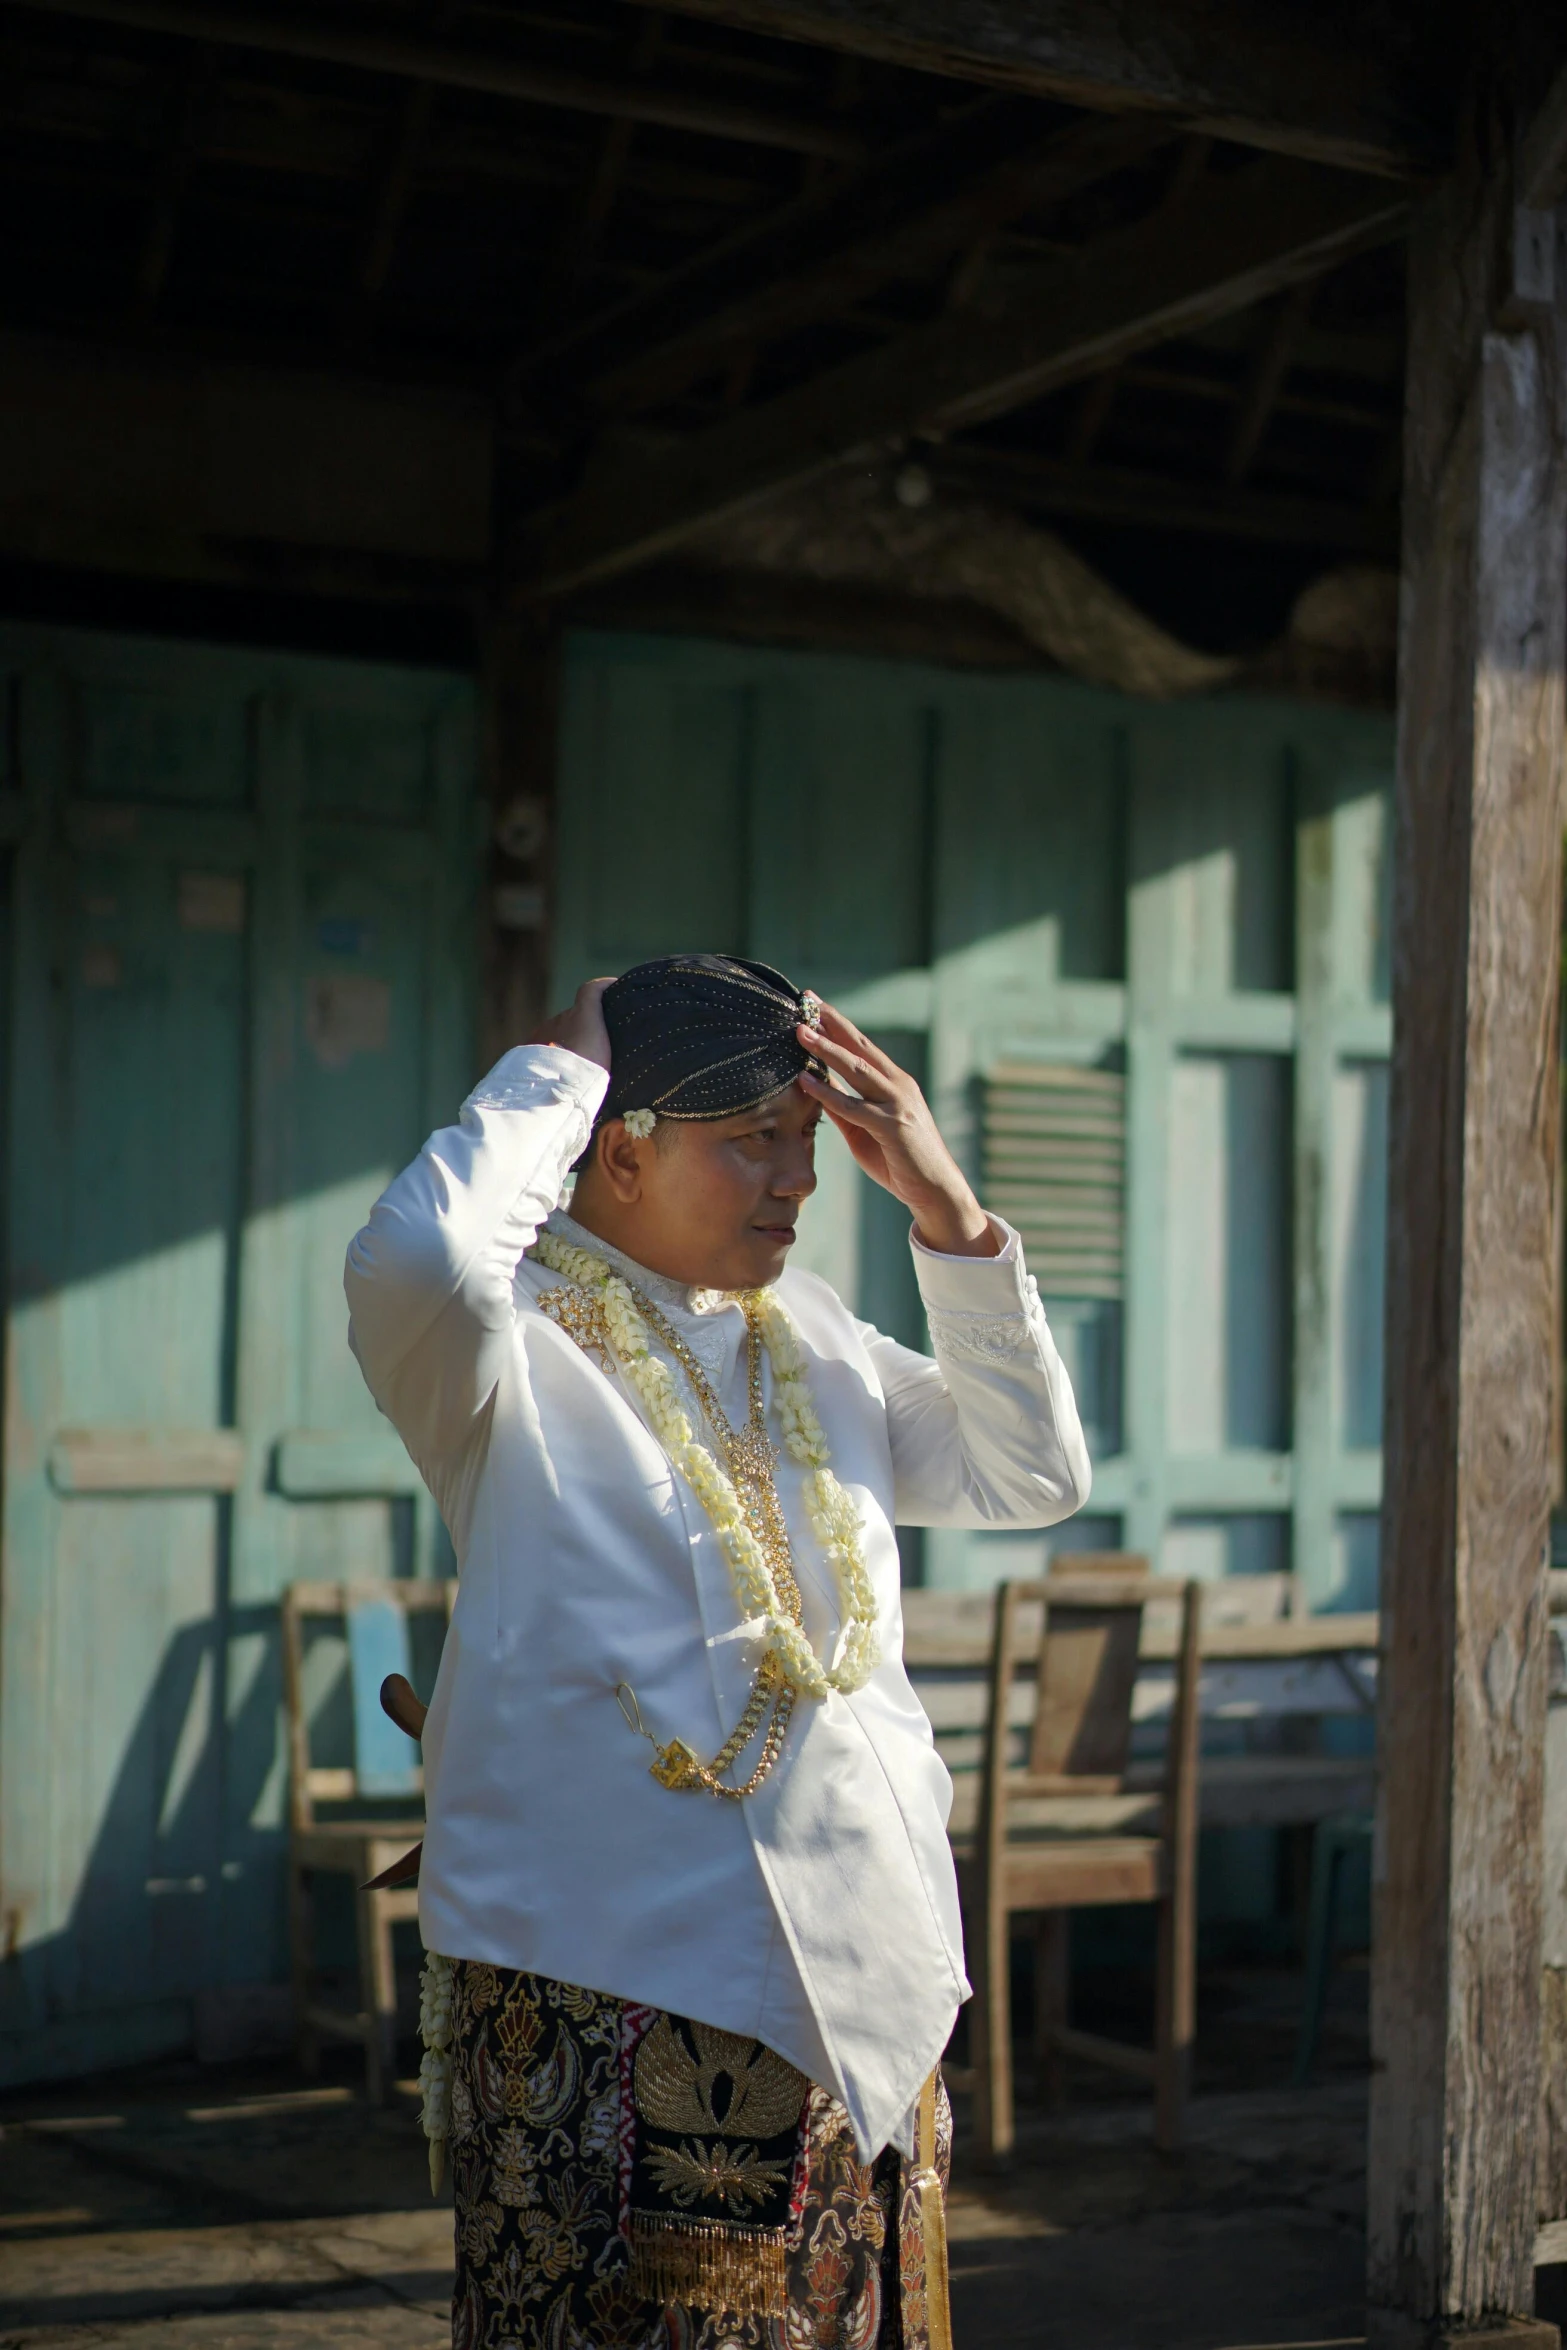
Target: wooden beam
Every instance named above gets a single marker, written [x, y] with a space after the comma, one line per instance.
[189, 469]
[1236, 241]
[390, 203]
[781, 239]
[1265, 379]
[1157, 501]
[406, 56]
[901, 246]
[1298, 81]
[1094, 403]
[581, 245]
[1097, 397]
[196, 82]
[1542, 165]
[1475, 1108]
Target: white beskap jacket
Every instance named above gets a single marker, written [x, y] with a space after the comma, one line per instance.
[820, 1915]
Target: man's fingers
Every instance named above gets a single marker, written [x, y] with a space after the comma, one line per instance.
[846, 1108]
[841, 1028]
[840, 1057]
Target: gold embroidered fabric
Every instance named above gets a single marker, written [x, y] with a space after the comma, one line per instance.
[717, 2157]
[718, 2082]
[543, 2128]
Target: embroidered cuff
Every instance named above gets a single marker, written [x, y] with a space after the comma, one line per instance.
[534, 1076]
[978, 1308]
[977, 1338]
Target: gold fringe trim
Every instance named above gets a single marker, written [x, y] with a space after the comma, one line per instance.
[703, 2264]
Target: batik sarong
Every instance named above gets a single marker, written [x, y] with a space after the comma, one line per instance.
[628, 2180]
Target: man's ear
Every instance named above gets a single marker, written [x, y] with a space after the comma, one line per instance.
[620, 1159]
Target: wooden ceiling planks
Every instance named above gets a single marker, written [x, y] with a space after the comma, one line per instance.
[486, 192]
[1231, 244]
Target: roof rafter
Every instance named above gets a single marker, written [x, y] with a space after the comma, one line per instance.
[777, 240]
[1135, 494]
[1265, 379]
[407, 56]
[1236, 240]
[193, 90]
[904, 246]
[1291, 79]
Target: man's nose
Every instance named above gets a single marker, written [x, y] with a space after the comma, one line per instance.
[796, 1179]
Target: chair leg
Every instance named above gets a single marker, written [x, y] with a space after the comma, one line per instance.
[994, 2130]
[1175, 2027]
[378, 1998]
[1052, 1954]
[1327, 1862]
[301, 1951]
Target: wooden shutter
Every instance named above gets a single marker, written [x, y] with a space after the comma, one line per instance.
[1054, 1152]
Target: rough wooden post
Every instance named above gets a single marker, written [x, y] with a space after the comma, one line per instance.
[1456, 1982]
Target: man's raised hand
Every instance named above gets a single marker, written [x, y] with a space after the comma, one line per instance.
[886, 1122]
[580, 1028]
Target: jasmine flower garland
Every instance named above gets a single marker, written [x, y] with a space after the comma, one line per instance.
[834, 1519]
[435, 2066]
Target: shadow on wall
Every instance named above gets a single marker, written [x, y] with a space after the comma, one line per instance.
[178, 1893]
[243, 934]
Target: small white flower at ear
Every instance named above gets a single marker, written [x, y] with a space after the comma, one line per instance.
[639, 1124]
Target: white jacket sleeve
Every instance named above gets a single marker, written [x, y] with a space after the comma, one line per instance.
[429, 1279]
[987, 1434]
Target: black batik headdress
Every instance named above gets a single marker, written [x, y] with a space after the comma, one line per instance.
[702, 1036]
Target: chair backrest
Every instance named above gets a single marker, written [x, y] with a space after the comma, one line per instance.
[1085, 1659]
[374, 1616]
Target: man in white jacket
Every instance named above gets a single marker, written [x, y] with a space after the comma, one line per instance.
[697, 1983]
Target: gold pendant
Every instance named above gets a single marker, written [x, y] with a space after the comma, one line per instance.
[583, 1319]
[676, 1766]
[752, 1457]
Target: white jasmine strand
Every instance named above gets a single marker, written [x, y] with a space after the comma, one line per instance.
[834, 1519]
[435, 2066]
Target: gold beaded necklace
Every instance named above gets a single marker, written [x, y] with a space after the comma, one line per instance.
[751, 1459]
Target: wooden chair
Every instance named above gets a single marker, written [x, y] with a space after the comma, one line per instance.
[360, 1844]
[1079, 1826]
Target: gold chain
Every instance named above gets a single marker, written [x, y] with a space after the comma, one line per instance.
[751, 1460]
[749, 1453]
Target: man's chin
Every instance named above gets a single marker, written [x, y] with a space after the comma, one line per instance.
[756, 1263]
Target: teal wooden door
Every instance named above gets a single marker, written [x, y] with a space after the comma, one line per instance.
[1030, 875]
[239, 990]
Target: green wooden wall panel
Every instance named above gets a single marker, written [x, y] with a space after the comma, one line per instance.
[1092, 880]
[652, 848]
[1031, 886]
[214, 1064]
[839, 824]
[155, 736]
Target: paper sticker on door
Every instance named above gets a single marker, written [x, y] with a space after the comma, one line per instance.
[345, 1014]
[212, 901]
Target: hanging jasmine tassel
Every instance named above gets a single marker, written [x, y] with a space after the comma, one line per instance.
[435, 2066]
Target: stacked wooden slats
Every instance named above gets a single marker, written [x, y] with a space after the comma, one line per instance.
[1054, 1152]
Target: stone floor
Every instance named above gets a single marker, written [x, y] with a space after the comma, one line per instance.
[242, 2211]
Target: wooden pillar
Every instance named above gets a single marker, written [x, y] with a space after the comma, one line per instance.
[1476, 959]
[519, 695]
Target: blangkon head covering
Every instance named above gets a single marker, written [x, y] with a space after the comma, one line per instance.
[702, 1036]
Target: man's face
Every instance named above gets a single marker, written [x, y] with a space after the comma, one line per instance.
[713, 1202]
